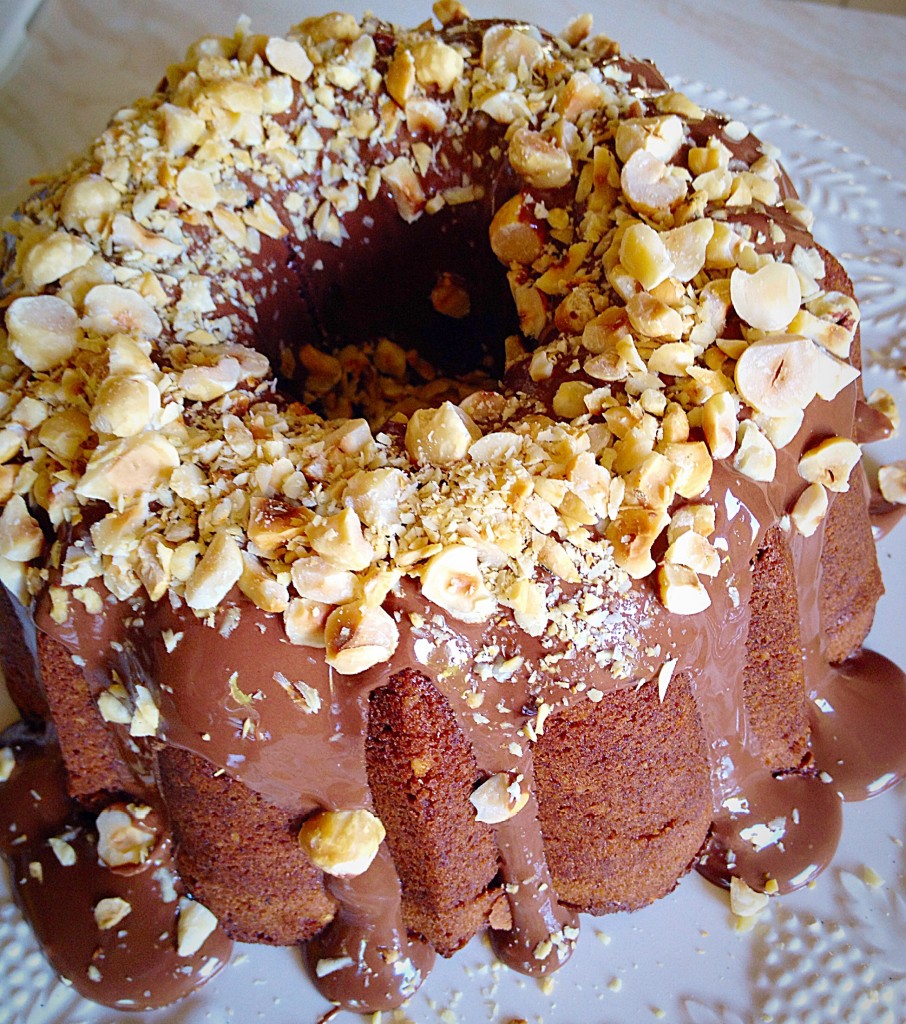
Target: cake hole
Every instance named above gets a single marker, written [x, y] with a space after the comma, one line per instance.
[401, 316]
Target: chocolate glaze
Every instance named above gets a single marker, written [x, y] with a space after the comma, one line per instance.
[543, 932]
[201, 712]
[871, 424]
[133, 965]
[884, 516]
[226, 692]
[787, 831]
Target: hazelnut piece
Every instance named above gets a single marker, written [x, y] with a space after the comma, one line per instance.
[442, 436]
[514, 238]
[342, 843]
[358, 637]
[111, 309]
[810, 509]
[195, 924]
[892, 483]
[43, 331]
[219, 570]
[498, 799]
[289, 58]
[767, 299]
[123, 839]
[776, 374]
[539, 161]
[830, 463]
[453, 580]
[755, 455]
[681, 590]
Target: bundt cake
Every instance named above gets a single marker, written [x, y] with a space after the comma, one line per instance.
[431, 501]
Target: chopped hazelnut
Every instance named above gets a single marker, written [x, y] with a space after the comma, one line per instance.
[538, 160]
[681, 590]
[123, 840]
[339, 540]
[437, 64]
[125, 406]
[513, 235]
[196, 923]
[289, 58]
[453, 580]
[755, 455]
[498, 799]
[649, 185]
[21, 538]
[109, 912]
[810, 509]
[342, 843]
[358, 637]
[43, 331]
[776, 374]
[52, 258]
[892, 483]
[830, 463]
[440, 436]
[216, 574]
[507, 48]
[111, 309]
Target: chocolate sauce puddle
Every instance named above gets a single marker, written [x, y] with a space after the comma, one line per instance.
[858, 719]
[135, 964]
[787, 831]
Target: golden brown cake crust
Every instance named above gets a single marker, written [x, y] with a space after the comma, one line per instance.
[774, 679]
[18, 663]
[95, 768]
[239, 854]
[850, 578]
[624, 796]
[421, 772]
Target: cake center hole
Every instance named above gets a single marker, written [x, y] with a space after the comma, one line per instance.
[399, 316]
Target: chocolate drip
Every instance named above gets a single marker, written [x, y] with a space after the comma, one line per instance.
[543, 932]
[364, 960]
[871, 424]
[786, 830]
[884, 515]
[783, 829]
[135, 964]
[274, 757]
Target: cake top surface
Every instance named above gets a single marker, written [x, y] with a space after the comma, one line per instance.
[658, 261]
